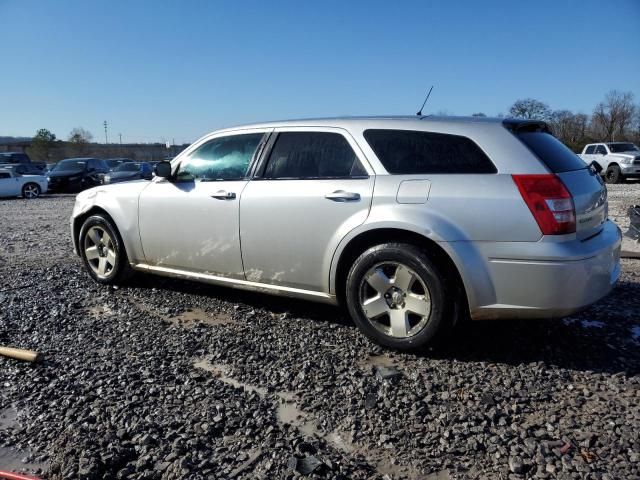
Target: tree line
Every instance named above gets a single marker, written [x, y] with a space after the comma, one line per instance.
[616, 118]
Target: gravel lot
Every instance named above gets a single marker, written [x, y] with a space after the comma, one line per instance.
[169, 379]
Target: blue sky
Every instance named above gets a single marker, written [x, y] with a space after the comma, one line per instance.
[175, 70]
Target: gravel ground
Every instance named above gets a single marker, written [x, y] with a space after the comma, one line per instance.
[167, 379]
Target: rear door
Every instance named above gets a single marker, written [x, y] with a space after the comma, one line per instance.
[587, 188]
[312, 189]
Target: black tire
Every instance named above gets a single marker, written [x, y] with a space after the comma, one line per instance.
[117, 273]
[438, 320]
[31, 190]
[614, 174]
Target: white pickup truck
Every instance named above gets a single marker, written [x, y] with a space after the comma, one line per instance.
[13, 184]
[619, 160]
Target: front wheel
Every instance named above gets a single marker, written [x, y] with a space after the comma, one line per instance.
[102, 250]
[31, 190]
[614, 174]
[396, 296]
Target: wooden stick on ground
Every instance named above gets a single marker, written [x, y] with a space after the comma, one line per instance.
[20, 354]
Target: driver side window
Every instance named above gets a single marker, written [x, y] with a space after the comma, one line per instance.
[224, 158]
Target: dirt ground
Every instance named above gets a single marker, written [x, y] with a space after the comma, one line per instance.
[165, 379]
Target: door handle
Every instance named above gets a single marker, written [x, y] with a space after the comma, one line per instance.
[342, 196]
[224, 195]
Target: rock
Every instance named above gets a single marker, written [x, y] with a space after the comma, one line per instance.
[516, 465]
[387, 373]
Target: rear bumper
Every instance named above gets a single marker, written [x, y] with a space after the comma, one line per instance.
[547, 279]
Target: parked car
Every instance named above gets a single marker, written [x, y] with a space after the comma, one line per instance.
[76, 174]
[14, 157]
[13, 184]
[23, 168]
[619, 160]
[116, 162]
[129, 171]
[411, 223]
[19, 158]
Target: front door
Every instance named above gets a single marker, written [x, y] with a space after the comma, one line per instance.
[191, 222]
[313, 189]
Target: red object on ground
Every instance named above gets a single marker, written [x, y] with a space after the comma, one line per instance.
[16, 476]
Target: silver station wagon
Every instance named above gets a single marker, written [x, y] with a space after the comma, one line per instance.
[410, 222]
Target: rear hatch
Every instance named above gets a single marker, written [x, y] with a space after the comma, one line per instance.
[584, 184]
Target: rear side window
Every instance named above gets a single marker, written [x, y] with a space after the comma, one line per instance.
[405, 152]
[553, 153]
[590, 149]
[306, 155]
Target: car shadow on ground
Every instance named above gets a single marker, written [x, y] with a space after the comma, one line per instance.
[599, 339]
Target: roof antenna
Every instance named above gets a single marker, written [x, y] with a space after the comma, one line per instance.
[425, 102]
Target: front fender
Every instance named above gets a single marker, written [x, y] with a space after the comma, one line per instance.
[120, 202]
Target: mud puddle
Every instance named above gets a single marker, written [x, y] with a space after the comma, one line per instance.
[288, 413]
[8, 418]
[190, 317]
[20, 461]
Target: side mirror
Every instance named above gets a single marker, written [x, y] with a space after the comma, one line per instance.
[162, 169]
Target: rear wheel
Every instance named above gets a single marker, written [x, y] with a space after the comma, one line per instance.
[102, 250]
[31, 190]
[396, 295]
[614, 174]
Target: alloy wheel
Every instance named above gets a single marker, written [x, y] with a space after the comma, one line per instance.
[31, 191]
[100, 252]
[395, 300]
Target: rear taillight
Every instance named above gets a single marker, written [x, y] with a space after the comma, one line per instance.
[549, 201]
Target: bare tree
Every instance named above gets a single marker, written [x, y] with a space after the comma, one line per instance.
[530, 108]
[612, 118]
[80, 135]
[570, 128]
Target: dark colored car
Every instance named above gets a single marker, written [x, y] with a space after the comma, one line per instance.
[116, 162]
[76, 174]
[19, 158]
[14, 157]
[129, 171]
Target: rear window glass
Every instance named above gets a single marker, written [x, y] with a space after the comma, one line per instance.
[406, 152]
[556, 156]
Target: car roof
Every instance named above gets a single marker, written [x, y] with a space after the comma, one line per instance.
[398, 121]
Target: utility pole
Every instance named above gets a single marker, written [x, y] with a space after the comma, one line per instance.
[106, 138]
[120, 135]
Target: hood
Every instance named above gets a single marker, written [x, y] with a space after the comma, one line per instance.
[630, 154]
[122, 175]
[126, 188]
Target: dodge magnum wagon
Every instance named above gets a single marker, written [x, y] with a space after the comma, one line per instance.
[411, 222]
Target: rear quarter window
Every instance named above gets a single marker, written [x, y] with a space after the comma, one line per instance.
[406, 152]
[551, 151]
